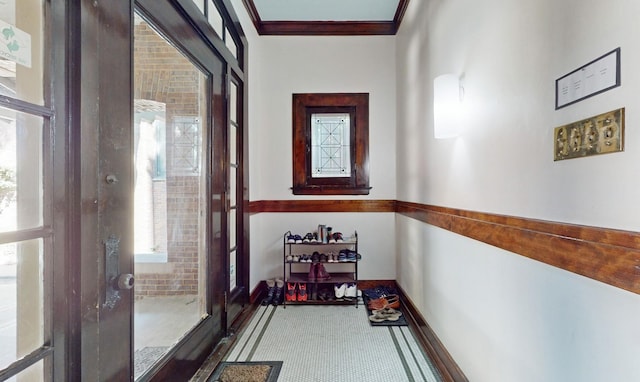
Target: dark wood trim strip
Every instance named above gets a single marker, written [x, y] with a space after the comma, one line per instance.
[397, 19]
[325, 28]
[253, 13]
[606, 255]
[437, 353]
[322, 206]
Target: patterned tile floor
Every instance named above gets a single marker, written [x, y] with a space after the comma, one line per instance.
[331, 343]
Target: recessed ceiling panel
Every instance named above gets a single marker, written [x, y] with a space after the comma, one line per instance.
[326, 10]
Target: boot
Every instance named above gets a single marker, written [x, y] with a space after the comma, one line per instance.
[291, 292]
[321, 273]
[312, 272]
[277, 294]
[271, 288]
[302, 292]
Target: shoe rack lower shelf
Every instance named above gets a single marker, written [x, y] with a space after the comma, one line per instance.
[313, 289]
[321, 302]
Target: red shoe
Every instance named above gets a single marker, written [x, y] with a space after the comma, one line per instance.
[291, 292]
[302, 292]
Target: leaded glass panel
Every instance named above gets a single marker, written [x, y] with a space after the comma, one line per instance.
[330, 145]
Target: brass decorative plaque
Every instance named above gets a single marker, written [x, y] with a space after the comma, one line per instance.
[600, 134]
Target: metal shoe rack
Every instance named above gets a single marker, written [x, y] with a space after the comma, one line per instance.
[339, 272]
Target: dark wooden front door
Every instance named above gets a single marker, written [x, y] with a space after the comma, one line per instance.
[121, 184]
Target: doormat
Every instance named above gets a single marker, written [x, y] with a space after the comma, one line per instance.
[144, 358]
[266, 371]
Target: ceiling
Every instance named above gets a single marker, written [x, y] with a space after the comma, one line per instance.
[326, 17]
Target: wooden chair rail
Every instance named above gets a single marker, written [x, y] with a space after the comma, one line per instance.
[607, 255]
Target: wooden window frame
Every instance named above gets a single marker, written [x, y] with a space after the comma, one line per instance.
[357, 105]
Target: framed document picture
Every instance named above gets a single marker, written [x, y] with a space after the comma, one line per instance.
[596, 77]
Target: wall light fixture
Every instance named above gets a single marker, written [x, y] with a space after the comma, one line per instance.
[447, 98]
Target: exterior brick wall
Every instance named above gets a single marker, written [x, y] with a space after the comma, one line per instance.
[163, 74]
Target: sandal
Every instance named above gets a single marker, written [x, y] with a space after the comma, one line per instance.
[387, 314]
[391, 301]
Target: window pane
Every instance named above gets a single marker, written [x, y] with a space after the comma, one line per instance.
[186, 145]
[228, 40]
[215, 19]
[21, 49]
[233, 144]
[330, 145]
[21, 300]
[35, 373]
[233, 272]
[233, 102]
[233, 189]
[20, 170]
[170, 201]
[200, 5]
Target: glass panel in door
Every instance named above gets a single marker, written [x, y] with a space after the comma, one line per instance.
[23, 239]
[233, 189]
[170, 195]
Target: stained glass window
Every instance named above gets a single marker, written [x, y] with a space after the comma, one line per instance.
[330, 146]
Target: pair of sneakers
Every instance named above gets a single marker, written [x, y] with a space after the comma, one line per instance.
[347, 291]
[294, 239]
[296, 292]
[336, 237]
[310, 238]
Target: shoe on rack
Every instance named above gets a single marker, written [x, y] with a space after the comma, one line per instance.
[324, 258]
[291, 239]
[337, 237]
[307, 238]
[289, 259]
[291, 292]
[271, 289]
[339, 290]
[342, 256]
[351, 291]
[315, 257]
[298, 239]
[352, 256]
[312, 277]
[302, 292]
[321, 273]
[278, 293]
[295, 258]
[314, 237]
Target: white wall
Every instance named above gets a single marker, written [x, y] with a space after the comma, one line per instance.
[502, 316]
[290, 65]
[281, 66]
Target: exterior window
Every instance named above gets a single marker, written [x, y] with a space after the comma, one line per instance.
[186, 145]
[331, 144]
